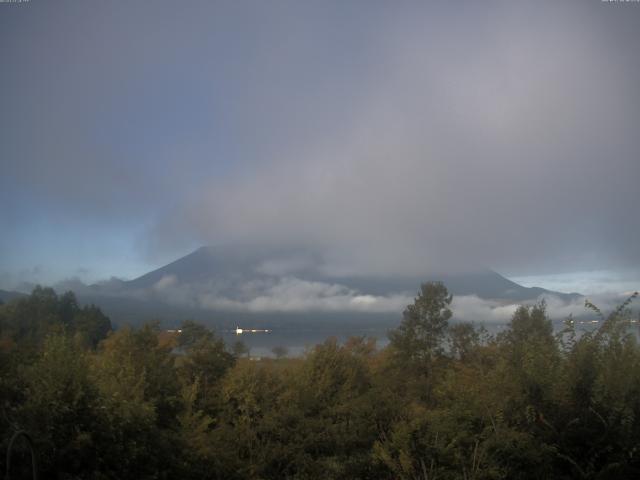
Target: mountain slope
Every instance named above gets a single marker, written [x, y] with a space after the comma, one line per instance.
[229, 264]
[234, 285]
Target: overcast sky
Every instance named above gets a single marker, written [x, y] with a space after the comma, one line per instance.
[395, 137]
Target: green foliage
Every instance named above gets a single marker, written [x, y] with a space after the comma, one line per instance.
[59, 401]
[205, 361]
[91, 325]
[464, 340]
[27, 321]
[424, 324]
[441, 401]
[417, 345]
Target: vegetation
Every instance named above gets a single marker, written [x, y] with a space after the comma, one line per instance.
[442, 401]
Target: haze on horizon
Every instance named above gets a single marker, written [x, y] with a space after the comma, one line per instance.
[388, 137]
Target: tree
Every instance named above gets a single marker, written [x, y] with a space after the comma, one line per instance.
[530, 324]
[30, 319]
[532, 353]
[140, 399]
[463, 339]
[205, 360]
[151, 362]
[333, 390]
[280, 351]
[192, 333]
[91, 324]
[240, 349]
[419, 337]
[59, 409]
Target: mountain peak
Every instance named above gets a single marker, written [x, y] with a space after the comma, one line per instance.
[227, 264]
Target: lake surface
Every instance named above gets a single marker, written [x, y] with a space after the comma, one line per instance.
[298, 339]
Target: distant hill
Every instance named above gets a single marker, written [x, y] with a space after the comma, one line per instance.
[216, 263]
[229, 285]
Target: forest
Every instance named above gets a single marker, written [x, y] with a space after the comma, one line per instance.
[444, 400]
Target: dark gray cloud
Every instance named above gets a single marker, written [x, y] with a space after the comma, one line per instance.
[390, 138]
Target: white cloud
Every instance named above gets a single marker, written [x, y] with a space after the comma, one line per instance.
[585, 282]
[291, 294]
[471, 308]
[165, 282]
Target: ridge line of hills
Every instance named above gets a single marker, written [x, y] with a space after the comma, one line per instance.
[240, 275]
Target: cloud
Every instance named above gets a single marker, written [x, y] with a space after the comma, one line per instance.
[470, 147]
[393, 140]
[294, 295]
[165, 282]
[290, 294]
[285, 294]
[586, 282]
[285, 265]
[470, 308]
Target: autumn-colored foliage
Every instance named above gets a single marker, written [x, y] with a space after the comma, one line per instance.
[442, 401]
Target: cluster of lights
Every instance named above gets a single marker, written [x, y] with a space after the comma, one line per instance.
[240, 331]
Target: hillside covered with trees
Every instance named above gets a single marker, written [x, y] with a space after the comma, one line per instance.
[442, 401]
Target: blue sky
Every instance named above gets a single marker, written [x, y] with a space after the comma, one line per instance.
[389, 137]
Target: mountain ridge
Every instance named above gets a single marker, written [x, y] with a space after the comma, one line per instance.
[207, 263]
[268, 285]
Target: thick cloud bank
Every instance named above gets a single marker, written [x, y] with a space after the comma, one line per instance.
[286, 294]
[291, 295]
[470, 308]
[506, 140]
[393, 138]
